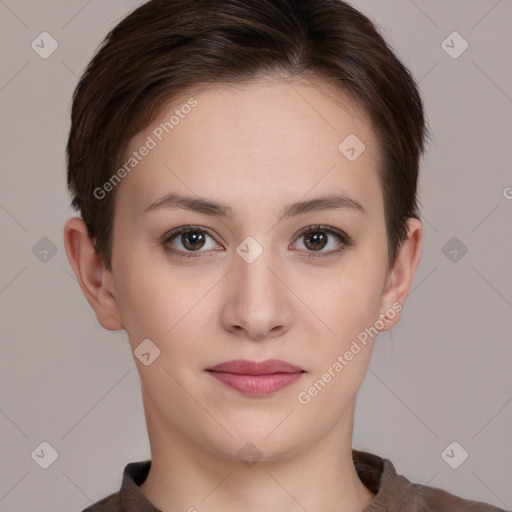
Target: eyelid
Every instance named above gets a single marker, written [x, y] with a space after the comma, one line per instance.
[345, 240]
[174, 233]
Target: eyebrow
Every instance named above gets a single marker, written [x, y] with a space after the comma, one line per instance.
[212, 208]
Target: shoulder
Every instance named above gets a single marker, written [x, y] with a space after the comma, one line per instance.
[395, 492]
[129, 497]
[111, 503]
[433, 499]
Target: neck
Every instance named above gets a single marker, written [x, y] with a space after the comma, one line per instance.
[185, 476]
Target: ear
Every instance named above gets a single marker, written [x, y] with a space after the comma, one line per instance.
[400, 277]
[95, 281]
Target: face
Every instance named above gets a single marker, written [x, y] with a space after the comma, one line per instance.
[251, 275]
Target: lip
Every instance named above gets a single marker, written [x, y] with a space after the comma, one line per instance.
[243, 366]
[256, 378]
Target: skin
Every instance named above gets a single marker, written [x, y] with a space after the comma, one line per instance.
[254, 147]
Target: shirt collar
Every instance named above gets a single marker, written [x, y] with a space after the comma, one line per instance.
[376, 473]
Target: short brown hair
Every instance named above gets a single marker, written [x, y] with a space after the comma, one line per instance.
[165, 47]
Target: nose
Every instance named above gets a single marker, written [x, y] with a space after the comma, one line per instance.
[257, 300]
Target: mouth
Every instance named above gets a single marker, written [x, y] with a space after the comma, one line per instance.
[256, 378]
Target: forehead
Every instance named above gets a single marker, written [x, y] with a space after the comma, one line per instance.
[254, 141]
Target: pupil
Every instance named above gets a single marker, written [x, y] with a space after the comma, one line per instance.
[192, 239]
[316, 240]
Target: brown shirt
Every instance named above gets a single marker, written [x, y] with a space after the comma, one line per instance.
[394, 493]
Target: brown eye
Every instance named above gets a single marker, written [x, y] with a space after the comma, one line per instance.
[189, 242]
[315, 240]
[193, 240]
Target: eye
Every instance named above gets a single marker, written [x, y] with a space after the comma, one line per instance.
[317, 238]
[186, 240]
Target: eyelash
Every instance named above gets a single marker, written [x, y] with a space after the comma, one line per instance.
[345, 240]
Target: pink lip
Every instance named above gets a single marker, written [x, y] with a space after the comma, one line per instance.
[253, 378]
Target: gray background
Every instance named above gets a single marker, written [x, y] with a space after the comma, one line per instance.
[443, 375]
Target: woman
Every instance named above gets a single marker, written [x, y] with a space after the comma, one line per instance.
[246, 174]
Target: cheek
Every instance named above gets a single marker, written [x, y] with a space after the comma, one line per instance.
[351, 297]
[148, 298]
[160, 303]
[159, 300]
[349, 306]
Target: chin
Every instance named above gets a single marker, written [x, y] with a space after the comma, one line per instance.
[253, 444]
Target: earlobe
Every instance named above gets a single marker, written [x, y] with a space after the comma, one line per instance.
[94, 280]
[402, 274]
